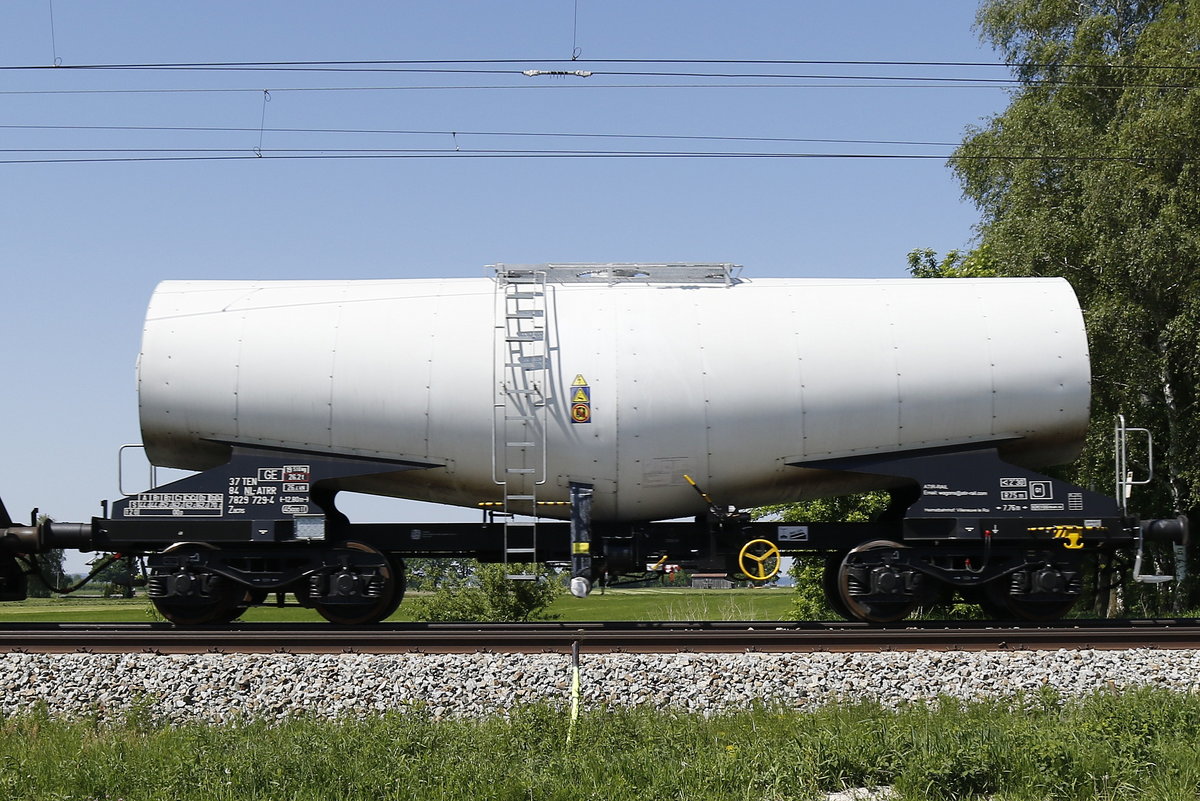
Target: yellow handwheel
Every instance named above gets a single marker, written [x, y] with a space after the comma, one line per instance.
[760, 554]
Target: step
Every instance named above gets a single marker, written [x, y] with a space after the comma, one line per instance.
[525, 314]
[520, 470]
[526, 336]
[524, 295]
[528, 363]
[520, 576]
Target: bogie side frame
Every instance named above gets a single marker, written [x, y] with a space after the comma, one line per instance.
[265, 523]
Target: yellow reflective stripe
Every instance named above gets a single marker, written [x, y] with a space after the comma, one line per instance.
[581, 547]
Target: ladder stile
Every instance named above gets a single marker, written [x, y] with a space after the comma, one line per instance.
[521, 372]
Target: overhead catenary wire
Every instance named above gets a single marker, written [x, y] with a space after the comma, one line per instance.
[578, 87]
[773, 80]
[231, 155]
[367, 65]
[486, 87]
[54, 59]
[492, 67]
[446, 132]
[649, 74]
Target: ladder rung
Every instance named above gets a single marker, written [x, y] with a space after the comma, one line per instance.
[520, 523]
[520, 550]
[524, 330]
[521, 577]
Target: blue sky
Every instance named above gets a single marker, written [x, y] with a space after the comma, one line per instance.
[84, 243]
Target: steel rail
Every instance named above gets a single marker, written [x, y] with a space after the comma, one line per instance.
[767, 637]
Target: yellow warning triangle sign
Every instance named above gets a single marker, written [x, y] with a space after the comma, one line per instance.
[580, 396]
[579, 381]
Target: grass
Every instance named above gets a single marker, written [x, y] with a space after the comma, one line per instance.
[677, 604]
[1111, 746]
[614, 604]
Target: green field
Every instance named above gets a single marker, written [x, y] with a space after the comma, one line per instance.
[1107, 747]
[613, 604]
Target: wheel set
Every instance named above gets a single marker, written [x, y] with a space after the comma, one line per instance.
[877, 582]
[356, 585]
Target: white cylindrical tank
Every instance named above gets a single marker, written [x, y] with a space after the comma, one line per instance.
[734, 383]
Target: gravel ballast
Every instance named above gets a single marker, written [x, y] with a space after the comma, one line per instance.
[221, 688]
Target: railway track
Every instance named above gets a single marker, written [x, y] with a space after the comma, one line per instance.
[709, 637]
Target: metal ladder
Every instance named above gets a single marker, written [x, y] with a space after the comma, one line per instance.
[519, 412]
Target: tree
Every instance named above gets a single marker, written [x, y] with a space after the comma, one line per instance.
[487, 596]
[48, 564]
[115, 579]
[977, 263]
[1091, 173]
[427, 575]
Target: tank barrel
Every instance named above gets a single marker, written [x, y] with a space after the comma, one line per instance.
[736, 432]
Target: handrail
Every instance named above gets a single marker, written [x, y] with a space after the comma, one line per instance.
[1125, 482]
[121, 468]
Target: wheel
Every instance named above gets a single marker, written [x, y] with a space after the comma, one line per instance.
[829, 583]
[375, 610]
[1048, 599]
[877, 611]
[223, 603]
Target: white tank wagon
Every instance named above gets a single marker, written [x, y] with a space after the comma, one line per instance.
[612, 397]
[733, 383]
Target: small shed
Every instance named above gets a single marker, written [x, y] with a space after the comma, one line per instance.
[711, 581]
